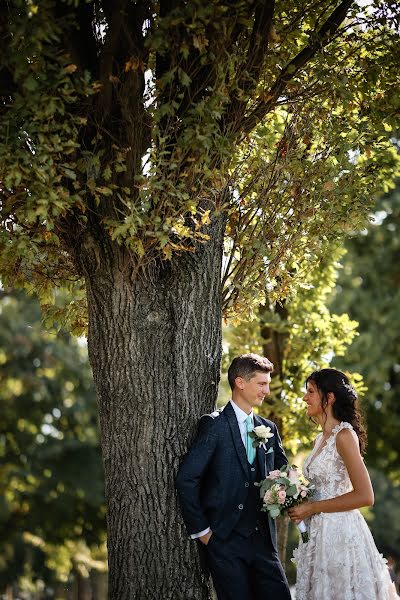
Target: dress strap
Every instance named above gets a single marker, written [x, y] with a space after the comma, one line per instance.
[340, 426]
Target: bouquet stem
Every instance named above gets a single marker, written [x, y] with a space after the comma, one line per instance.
[303, 531]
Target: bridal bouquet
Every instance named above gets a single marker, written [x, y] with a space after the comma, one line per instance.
[282, 489]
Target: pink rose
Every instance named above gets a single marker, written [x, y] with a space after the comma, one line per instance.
[303, 493]
[274, 474]
[293, 475]
[281, 496]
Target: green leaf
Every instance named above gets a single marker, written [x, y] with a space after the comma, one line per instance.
[107, 173]
[291, 491]
[274, 511]
[30, 83]
[184, 77]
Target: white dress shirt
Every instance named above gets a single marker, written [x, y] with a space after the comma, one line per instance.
[241, 417]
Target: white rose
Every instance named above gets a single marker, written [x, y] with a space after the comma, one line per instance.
[263, 432]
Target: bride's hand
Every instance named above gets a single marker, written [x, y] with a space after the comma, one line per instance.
[302, 511]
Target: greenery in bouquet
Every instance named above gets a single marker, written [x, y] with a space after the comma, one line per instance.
[282, 489]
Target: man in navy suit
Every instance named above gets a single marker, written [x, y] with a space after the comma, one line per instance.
[221, 506]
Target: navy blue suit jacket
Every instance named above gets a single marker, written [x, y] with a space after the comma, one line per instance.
[213, 479]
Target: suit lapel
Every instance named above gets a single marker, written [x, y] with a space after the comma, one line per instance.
[260, 452]
[237, 438]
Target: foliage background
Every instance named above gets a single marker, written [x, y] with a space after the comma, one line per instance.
[52, 512]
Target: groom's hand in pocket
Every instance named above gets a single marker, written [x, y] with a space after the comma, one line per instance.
[204, 539]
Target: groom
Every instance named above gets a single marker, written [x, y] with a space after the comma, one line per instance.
[220, 503]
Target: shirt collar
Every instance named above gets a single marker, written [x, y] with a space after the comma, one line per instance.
[241, 416]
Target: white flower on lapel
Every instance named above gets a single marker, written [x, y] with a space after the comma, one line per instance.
[260, 435]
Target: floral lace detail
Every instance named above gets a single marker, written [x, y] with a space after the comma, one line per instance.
[340, 561]
[325, 468]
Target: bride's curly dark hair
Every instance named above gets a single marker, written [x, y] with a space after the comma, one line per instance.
[345, 408]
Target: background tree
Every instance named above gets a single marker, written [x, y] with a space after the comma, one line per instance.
[368, 290]
[131, 134]
[52, 514]
[307, 334]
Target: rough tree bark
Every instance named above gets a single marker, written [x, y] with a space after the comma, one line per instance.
[155, 346]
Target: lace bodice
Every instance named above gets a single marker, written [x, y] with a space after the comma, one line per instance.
[325, 469]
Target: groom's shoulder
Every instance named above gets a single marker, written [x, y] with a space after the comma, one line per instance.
[215, 419]
[214, 415]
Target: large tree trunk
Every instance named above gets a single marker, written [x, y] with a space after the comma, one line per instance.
[155, 348]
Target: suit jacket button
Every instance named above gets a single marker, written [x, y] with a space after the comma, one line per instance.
[240, 507]
[246, 484]
[252, 468]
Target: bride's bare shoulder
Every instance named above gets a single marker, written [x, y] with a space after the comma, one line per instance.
[347, 444]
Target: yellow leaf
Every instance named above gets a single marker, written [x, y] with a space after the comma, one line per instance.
[273, 36]
[102, 189]
[139, 248]
[167, 250]
[70, 68]
[134, 64]
[200, 42]
[205, 219]
[96, 86]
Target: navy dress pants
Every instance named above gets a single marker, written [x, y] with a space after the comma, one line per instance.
[246, 568]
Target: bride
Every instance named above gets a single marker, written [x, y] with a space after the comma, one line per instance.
[340, 561]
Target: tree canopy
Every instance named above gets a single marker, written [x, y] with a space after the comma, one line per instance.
[138, 123]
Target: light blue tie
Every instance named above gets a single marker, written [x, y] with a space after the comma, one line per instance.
[250, 451]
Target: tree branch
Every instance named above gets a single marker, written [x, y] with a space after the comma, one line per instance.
[124, 39]
[79, 39]
[163, 62]
[321, 39]
[256, 53]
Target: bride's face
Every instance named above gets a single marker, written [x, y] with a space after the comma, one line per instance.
[312, 398]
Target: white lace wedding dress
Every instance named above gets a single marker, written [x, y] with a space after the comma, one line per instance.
[340, 561]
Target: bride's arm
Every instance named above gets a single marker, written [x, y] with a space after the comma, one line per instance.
[362, 494]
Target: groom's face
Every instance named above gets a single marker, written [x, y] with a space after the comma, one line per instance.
[254, 390]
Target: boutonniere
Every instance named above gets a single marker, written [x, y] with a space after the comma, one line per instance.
[260, 436]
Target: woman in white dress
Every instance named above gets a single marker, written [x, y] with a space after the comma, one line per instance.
[340, 561]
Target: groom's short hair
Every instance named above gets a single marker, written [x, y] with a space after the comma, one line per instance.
[246, 365]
